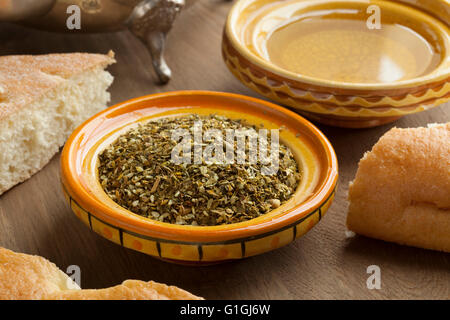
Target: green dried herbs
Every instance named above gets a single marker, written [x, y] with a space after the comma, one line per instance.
[138, 171]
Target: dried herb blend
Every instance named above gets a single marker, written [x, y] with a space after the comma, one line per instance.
[137, 171]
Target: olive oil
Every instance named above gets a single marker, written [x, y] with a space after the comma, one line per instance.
[337, 47]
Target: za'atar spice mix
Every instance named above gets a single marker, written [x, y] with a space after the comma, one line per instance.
[138, 172]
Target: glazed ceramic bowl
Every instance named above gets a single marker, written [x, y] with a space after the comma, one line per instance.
[198, 244]
[327, 59]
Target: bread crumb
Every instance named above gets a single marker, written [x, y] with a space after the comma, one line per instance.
[349, 234]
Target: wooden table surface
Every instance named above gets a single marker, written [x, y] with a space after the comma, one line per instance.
[323, 264]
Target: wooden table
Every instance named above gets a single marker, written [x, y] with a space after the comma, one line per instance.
[34, 217]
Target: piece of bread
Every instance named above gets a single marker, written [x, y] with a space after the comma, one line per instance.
[128, 290]
[42, 100]
[401, 192]
[28, 277]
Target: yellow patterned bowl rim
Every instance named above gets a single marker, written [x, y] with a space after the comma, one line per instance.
[441, 73]
[356, 106]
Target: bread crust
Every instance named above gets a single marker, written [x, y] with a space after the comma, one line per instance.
[28, 277]
[26, 78]
[128, 290]
[401, 192]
